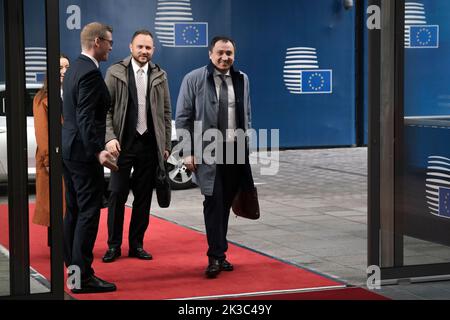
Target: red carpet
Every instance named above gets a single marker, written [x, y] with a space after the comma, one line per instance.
[337, 294]
[177, 269]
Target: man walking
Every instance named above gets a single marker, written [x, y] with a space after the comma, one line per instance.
[138, 133]
[218, 97]
[86, 100]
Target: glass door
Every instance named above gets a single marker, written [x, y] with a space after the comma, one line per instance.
[4, 221]
[31, 264]
[409, 154]
[423, 206]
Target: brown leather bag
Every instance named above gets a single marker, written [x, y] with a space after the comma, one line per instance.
[246, 204]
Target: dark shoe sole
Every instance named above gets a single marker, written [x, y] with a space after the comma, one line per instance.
[140, 258]
[133, 255]
[227, 269]
[212, 275]
[110, 260]
[92, 290]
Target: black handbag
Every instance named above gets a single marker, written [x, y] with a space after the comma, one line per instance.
[163, 189]
[246, 204]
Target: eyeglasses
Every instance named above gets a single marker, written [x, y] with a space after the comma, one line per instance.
[111, 42]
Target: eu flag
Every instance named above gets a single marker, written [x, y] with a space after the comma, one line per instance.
[40, 76]
[444, 202]
[194, 34]
[424, 36]
[317, 81]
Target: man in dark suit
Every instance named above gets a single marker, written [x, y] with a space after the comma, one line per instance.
[138, 132]
[86, 100]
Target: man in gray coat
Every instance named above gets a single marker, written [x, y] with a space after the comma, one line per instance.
[138, 132]
[216, 98]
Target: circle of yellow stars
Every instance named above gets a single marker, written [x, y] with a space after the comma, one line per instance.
[190, 29]
[321, 81]
[427, 33]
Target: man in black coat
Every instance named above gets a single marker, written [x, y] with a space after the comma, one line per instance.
[86, 101]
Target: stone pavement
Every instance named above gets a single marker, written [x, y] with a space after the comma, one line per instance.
[313, 214]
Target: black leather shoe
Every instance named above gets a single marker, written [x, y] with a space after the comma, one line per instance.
[94, 284]
[140, 253]
[213, 269]
[226, 266]
[111, 255]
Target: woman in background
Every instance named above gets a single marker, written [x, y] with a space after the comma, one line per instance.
[40, 113]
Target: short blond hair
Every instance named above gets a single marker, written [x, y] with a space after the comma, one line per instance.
[91, 31]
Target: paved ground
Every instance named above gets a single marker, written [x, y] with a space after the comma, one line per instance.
[37, 283]
[307, 217]
[314, 214]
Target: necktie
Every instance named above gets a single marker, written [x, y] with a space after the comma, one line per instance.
[223, 107]
[141, 126]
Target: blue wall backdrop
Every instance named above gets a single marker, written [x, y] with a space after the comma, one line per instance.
[34, 15]
[263, 30]
[263, 33]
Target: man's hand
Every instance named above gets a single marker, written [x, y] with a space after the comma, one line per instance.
[190, 163]
[166, 155]
[106, 159]
[113, 147]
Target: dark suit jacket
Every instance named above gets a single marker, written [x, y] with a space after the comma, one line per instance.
[86, 101]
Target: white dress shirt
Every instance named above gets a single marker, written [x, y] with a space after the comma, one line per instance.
[142, 95]
[92, 58]
[231, 102]
[136, 67]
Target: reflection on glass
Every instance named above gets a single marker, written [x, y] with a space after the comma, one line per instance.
[35, 72]
[420, 252]
[424, 210]
[4, 230]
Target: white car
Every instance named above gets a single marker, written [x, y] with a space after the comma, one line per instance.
[31, 90]
[180, 177]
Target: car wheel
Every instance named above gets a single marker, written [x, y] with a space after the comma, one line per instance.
[180, 177]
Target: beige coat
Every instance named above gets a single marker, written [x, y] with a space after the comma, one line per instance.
[117, 82]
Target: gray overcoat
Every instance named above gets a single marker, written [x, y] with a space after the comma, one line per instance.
[198, 103]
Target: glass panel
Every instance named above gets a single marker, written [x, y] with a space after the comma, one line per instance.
[424, 210]
[38, 177]
[4, 225]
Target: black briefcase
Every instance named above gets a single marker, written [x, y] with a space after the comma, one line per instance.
[246, 204]
[163, 190]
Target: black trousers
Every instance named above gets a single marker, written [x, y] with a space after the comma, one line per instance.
[142, 157]
[84, 190]
[216, 208]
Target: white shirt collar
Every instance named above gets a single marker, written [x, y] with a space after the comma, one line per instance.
[218, 73]
[92, 58]
[136, 67]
